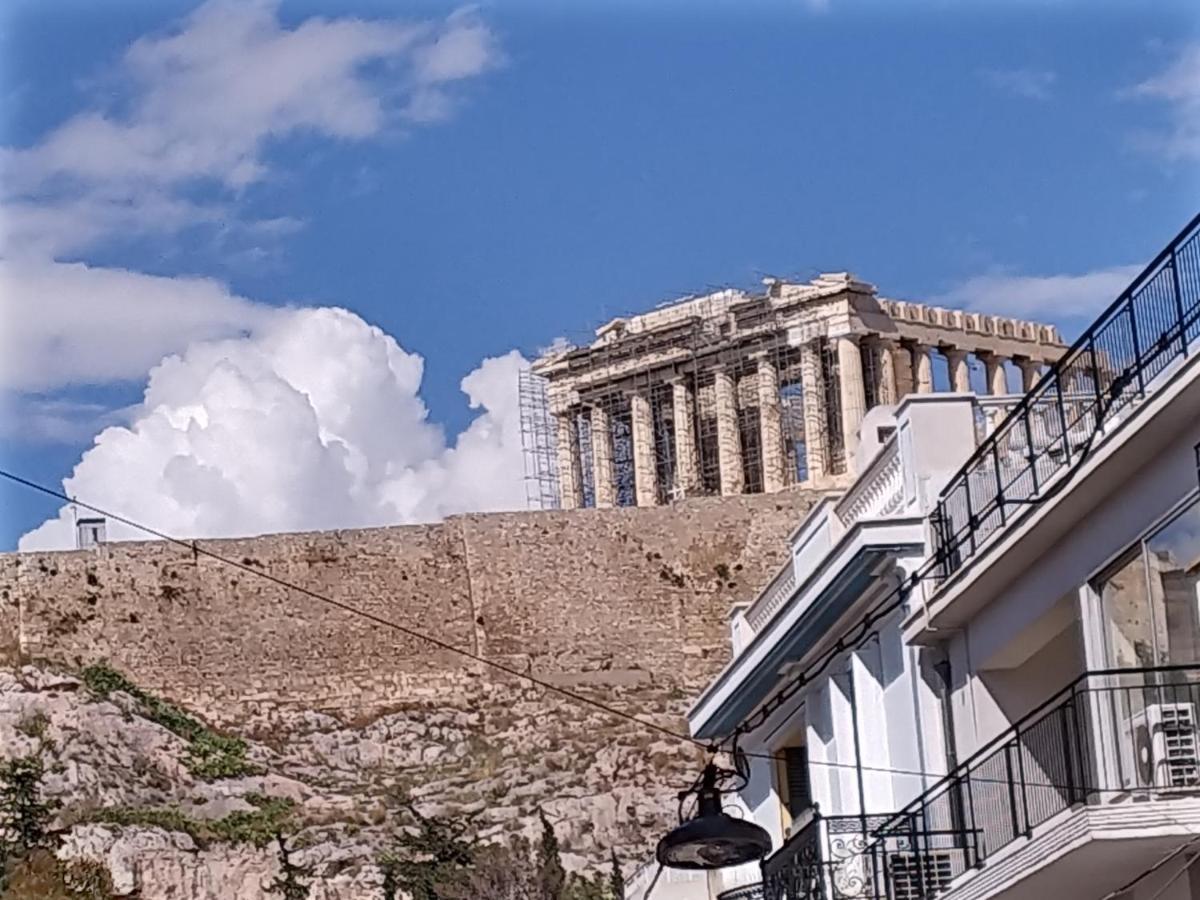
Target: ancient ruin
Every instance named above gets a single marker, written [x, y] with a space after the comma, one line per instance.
[738, 393]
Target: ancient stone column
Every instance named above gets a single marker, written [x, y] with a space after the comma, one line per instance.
[1031, 371]
[902, 366]
[888, 389]
[770, 425]
[687, 473]
[960, 372]
[854, 399]
[816, 459]
[602, 461]
[645, 472]
[996, 376]
[922, 369]
[729, 441]
[566, 439]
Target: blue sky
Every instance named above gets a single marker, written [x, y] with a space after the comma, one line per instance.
[574, 162]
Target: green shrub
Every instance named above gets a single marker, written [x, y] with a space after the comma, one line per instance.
[258, 827]
[211, 756]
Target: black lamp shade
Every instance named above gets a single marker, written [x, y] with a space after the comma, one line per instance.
[713, 841]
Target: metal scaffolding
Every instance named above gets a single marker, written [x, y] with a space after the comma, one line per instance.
[539, 443]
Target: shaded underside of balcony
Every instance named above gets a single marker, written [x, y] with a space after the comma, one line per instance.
[824, 596]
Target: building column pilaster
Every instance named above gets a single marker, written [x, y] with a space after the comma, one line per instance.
[902, 366]
[922, 369]
[1031, 371]
[884, 354]
[816, 459]
[770, 425]
[645, 472]
[729, 441]
[960, 373]
[602, 458]
[996, 376]
[854, 399]
[567, 442]
[687, 474]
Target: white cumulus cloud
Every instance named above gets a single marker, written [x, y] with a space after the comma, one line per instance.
[199, 105]
[315, 421]
[1043, 297]
[71, 324]
[1178, 86]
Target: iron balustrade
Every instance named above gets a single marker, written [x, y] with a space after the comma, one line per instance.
[828, 859]
[1109, 735]
[1154, 323]
[745, 892]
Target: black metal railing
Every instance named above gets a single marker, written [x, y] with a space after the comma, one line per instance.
[1109, 734]
[745, 892]
[827, 859]
[1154, 323]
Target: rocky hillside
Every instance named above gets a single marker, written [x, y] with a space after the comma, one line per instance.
[172, 809]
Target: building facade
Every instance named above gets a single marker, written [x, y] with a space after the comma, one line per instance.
[978, 676]
[734, 393]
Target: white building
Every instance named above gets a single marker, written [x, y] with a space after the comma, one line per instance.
[979, 674]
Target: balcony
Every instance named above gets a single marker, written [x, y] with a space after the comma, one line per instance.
[828, 859]
[1101, 780]
[1128, 355]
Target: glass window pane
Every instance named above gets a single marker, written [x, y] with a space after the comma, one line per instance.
[1173, 557]
[1127, 613]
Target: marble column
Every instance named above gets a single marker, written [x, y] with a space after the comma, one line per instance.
[888, 389]
[922, 369]
[996, 374]
[770, 426]
[683, 408]
[816, 459]
[854, 399]
[960, 372]
[729, 440]
[602, 458]
[902, 366]
[566, 439]
[645, 471]
[1031, 371]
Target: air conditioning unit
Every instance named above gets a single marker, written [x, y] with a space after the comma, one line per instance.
[920, 876]
[1162, 747]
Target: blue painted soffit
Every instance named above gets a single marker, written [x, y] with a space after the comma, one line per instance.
[838, 596]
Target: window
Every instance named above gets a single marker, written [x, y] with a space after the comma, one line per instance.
[1173, 567]
[794, 789]
[1151, 597]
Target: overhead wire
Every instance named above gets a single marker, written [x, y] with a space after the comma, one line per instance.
[199, 549]
[853, 637]
[1154, 867]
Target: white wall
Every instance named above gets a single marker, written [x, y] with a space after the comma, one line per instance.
[1006, 633]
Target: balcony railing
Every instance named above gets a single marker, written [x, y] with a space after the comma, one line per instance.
[827, 859]
[1154, 323]
[745, 892]
[773, 597]
[1109, 735]
[878, 492]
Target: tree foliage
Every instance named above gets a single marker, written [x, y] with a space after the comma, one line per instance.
[435, 861]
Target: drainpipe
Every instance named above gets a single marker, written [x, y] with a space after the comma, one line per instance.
[858, 770]
[945, 691]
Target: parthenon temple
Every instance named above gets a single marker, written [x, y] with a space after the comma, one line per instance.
[736, 392]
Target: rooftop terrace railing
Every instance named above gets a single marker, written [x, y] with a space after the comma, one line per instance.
[1124, 356]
